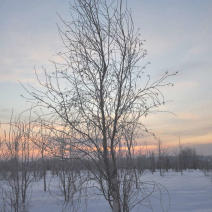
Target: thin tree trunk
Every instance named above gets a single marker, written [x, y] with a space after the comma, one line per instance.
[115, 193]
[44, 180]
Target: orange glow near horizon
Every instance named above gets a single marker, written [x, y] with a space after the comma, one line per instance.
[169, 143]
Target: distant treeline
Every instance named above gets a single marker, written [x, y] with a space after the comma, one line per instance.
[187, 158]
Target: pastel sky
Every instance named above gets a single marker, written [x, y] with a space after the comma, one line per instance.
[178, 36]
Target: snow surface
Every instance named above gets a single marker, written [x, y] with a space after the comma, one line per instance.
[191, 191]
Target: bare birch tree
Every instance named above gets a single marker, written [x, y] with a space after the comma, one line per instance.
[19, 178]
[94, 98]
[39, 138]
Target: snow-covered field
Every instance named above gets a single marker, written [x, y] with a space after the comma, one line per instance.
[190, 192]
